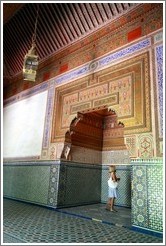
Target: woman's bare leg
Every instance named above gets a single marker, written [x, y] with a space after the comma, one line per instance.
[111, 204]
[108, 204]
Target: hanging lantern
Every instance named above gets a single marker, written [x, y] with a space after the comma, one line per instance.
[30, 64]
[31, 58]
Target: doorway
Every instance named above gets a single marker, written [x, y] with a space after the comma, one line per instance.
[95, 132]
[95, 136]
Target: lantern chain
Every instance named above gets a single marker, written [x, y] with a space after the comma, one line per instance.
[34, 35]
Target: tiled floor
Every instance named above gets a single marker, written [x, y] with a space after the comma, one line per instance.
[98, 212]
[27, 223]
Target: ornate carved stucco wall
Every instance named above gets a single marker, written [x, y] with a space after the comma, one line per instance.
[125, 74]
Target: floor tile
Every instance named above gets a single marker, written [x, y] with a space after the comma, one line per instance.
[98, 212]
[27, 223]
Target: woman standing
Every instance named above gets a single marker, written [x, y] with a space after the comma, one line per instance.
[112, 189]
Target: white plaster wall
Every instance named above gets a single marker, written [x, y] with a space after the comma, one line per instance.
[23, 126]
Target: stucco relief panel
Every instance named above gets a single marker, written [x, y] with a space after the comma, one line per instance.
[124, 87]
[146, 146]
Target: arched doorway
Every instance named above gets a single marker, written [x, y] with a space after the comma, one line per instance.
[96, 138]
[97, 130]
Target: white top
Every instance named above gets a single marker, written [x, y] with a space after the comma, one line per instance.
[111, 183]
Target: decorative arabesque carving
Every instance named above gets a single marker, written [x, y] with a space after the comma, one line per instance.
[94, 129]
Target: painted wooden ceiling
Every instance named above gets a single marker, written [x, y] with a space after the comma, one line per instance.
[58, 26]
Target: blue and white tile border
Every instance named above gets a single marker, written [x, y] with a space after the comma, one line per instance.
[49, 111]
[159, 76]
[103, 62]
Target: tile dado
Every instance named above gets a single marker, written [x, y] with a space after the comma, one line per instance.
[79, 184]
[64, 184]
[52, 183]
[30, 181]
[27, 183]
[147, 194]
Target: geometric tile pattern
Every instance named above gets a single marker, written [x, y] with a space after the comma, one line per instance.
[9, 238]
[158, 98]
[139, 197]
[26, 182]
[147, 194]
[116, 157]
[158, 37]
[159, 72]
[155, 197]
[47, 125]
[53, 185]
[124, 187]
[79, 184]
[27, 223]
[98, 212]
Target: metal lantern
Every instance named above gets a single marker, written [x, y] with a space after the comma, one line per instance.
[30, 64]
[31, 58]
